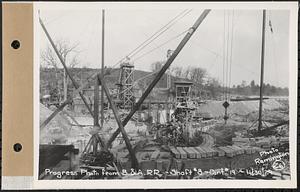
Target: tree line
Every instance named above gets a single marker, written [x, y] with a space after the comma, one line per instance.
[207, 86]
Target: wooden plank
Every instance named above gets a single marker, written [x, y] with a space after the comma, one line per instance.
[198, 154]
[159, 165]
[240, 139]
[183, 154]
[275, 143]
[228, 152]
[284, 139]
[208, 153]
[234, 152]
[222, 149]
[242, 148]
[253, 150]
[261, 143]
[214, 152]
[220, 152]
[266, 146]
[203, 153]
[175, 152]
[257, 149]
[191, 154]
[247, 150]
[239, 149]
[155, 154]
[178, 164]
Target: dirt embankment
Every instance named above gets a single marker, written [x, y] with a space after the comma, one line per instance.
[215, 108]
[57, 130]
[242, 116]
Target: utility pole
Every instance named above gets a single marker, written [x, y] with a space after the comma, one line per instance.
[97, 84]
[96, 103]
[102, 69]
[262, 71]
[65, 85]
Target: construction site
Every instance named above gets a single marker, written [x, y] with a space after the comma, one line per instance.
[153, 125]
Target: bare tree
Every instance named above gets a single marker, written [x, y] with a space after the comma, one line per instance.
[176, 71]
[69, 53]
[65, 49]
[156, 66]
[197, 75]
[213, 86]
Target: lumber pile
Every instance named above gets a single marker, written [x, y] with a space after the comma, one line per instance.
[210, 152]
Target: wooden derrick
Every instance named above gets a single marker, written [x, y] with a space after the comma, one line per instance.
[126, 79]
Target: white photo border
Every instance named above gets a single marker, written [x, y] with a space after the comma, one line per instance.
[171, 184]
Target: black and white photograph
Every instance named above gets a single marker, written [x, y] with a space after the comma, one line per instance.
[156, 93]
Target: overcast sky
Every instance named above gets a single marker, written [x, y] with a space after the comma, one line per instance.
[126, 29]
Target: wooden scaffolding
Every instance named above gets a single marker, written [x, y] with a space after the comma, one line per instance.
[126, 79]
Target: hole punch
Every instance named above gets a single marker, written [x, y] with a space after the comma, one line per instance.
[17, 147]
[15, 44]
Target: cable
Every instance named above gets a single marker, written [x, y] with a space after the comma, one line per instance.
[136, 81]
[152, 51]
[231, 50]
[227, 52]
[149, 38]
[56, 18]
[224, 41]
[92, 35]
[208, 50]
[146, 76]
[160, 45]
[248, 70]
[213, 63]
[87, 27]
[158, 33]
[227, 58]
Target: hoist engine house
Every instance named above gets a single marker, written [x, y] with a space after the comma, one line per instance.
[182, 92]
